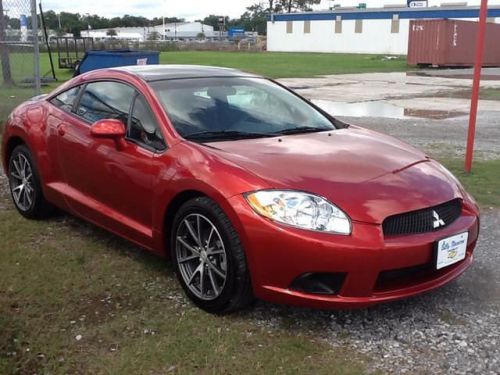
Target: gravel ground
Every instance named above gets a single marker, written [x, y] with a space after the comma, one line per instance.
[441, 137]
[453, 330]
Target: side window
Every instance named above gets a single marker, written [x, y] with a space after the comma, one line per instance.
[106, 100]
[143, 127]
[66, 100]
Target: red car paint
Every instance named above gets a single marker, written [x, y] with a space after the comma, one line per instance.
[132, 192]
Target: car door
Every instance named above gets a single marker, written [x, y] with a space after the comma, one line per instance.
[110, 187]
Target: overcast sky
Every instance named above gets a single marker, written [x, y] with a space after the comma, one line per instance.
[189, 9]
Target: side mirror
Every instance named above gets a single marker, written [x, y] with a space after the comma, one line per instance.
[110, 129]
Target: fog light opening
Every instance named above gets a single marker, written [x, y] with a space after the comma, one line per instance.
[319, 283]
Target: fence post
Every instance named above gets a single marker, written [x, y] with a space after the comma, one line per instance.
[36, 47]
[4, 49]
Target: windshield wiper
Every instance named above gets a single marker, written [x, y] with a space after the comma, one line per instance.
[303, 129]
[226, 134]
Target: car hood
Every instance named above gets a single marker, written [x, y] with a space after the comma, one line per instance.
[368, 175]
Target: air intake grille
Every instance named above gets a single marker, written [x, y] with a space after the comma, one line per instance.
[423, 221]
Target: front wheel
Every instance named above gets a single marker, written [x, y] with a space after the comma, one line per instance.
[209, 259]
[25, 185]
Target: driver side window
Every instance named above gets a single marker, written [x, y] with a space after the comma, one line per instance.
[142, 127]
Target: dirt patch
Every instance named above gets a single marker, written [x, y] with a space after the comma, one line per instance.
[432, 114]
[99, 309]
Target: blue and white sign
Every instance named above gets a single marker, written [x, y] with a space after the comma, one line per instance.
[418, 3]
[23, 20]
[236, 32]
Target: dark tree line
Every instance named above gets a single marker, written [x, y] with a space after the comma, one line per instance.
[253, 19]
[255, 16]
[67, 22]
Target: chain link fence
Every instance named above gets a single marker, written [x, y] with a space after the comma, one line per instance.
[19, 54]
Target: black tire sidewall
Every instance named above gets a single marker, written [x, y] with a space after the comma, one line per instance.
[205, 206]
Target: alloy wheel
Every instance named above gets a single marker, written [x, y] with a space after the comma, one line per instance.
[21, 182]
[201, 256]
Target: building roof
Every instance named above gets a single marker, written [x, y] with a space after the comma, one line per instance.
[388, 13]
[165, 72]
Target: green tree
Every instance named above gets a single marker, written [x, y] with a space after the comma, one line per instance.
[72, 23]
[13, 23]
[213, 20]
[254, 19]
[298, 5]
[159, 20]
[111, 33]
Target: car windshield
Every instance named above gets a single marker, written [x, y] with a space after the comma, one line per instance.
[211, 109]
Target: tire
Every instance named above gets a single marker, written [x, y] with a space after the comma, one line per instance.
[220, 262]
[28, 200]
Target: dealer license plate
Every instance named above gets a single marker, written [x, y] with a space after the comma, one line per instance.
[451, 250]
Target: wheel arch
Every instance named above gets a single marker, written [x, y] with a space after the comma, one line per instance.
[182, 197]
[10, 146]
[174, 205]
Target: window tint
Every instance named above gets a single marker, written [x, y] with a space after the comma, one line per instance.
[106, 100]
[235, 104]
[143, 126]
[66, 99]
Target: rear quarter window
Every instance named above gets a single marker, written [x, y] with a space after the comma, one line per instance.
[66, 100]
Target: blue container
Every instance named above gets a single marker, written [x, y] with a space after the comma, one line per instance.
[123, 57]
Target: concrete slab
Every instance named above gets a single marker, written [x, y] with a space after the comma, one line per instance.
[377, 86]
[445, 104]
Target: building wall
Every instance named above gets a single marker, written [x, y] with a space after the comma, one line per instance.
[179, 30]
[317, 31]
[376, 37]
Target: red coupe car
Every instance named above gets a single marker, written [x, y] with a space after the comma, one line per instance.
[252, 190]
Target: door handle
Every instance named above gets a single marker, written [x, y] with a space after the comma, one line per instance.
[61, 130]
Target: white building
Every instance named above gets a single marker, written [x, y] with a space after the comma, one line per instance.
[351, 30]
[172, 31]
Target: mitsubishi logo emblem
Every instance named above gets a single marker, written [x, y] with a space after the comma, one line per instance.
[438, 222]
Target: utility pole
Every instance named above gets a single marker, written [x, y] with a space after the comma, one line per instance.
[476, 85]
[163, 17]
[36, 48]
[4, 49]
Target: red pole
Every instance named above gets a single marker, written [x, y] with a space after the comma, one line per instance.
[476, 84]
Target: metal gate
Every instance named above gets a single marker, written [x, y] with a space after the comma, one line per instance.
[19, 53]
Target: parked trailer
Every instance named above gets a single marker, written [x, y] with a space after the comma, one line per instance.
[451, 43]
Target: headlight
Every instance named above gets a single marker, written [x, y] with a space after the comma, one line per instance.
[300, 210]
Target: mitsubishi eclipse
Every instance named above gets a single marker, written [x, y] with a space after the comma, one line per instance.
[250, 189]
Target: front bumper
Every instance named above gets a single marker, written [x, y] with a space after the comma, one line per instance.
[376, 269]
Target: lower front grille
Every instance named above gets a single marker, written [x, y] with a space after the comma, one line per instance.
[422, 221]
[402, 276]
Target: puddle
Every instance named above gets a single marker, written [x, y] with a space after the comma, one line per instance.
[382, 109]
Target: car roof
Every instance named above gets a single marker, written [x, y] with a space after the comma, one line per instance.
[165, 72]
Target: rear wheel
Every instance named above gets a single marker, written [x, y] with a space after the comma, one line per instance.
[25, 186]
[209, 259]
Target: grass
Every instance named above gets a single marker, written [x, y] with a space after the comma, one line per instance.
[76, 299]
[285, 65]
[483, 182]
